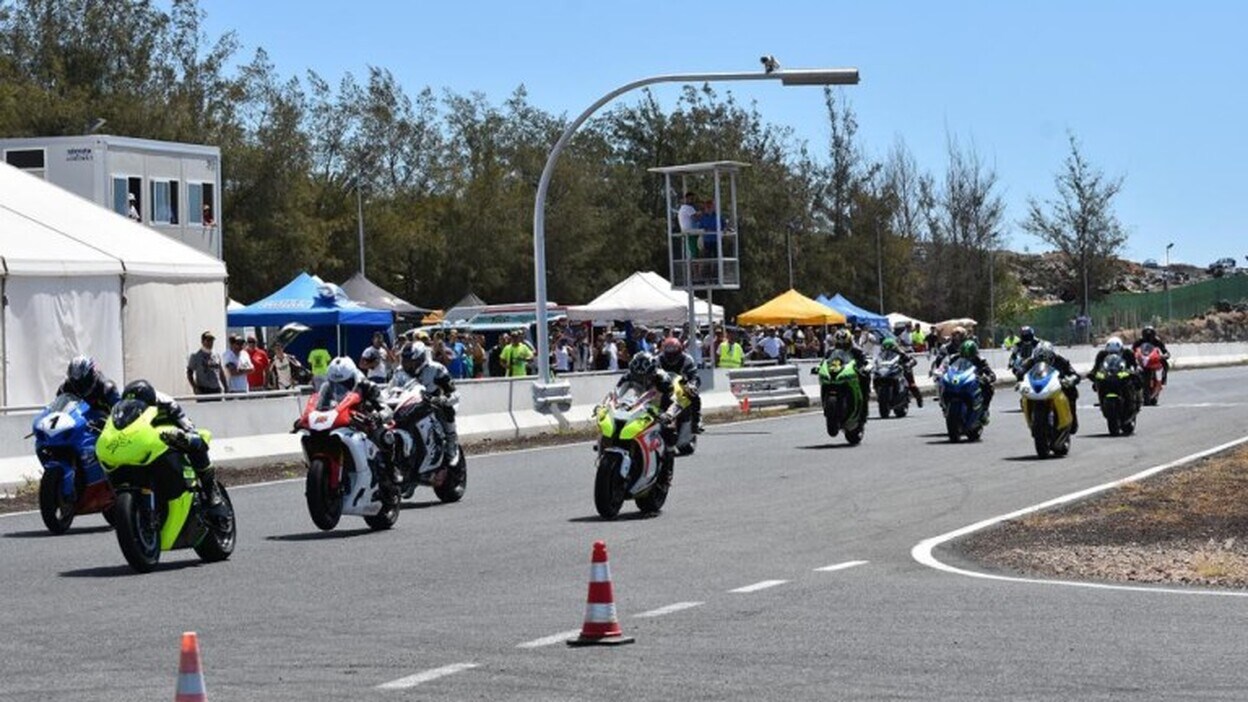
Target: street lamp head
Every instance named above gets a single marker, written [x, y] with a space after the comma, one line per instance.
[770, 64]
[819, 76]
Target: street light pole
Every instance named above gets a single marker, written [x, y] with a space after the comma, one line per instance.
[359, 218]
[831, 76]
[1169, 308]
[788, 245]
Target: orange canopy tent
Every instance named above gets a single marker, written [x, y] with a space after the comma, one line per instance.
[791, 307]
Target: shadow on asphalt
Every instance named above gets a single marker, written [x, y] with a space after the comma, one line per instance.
[1028, 458]
[829, 445]
[123, 570]
[40, 533]
[423, 504]
[623, 517]
[320, 535]
[737, 433]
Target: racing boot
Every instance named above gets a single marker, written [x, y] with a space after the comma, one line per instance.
[918, 396]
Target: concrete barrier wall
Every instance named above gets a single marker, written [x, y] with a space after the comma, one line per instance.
[257, 430]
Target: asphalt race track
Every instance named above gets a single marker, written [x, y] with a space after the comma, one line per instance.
[781, 569]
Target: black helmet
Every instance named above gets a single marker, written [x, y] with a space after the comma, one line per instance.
[140, 390]
[1027, 334]
[1149, 333]
[642, 366]
[82, 375]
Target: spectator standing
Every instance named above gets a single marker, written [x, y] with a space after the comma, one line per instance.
[282, 368]
[237, 365]
[728, 353]
[516, 356]
[772, 346]
[259, 374]
[455, 352]
[204, 371]
[318, 360]
[132, 208]
[495, 357]
[563, 355]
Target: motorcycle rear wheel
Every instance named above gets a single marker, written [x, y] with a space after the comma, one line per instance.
[388, 515]
[138, 532]
[854, 436]
[452, 488]
[324, 507]
[608, 486]
[654, 498]
[56, 512]
[218, 544]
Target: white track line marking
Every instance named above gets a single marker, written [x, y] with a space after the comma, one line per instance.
[669, 609]
[760, 586]
[840, 566]
[426, 676]
[922, 552]
[550, 640]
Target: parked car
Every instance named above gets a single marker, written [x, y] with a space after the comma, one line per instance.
[1151, 263]
[1221, 267]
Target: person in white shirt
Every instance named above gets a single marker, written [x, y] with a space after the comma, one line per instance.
[237, 364]
[563, 355]
[613, 354]
[771, 344]
[687, 212]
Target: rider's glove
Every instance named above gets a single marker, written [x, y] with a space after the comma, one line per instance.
[176, 439]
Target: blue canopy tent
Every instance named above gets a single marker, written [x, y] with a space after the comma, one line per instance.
[853, 313]
[333, 318]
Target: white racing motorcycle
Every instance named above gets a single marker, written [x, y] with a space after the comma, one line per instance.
[343, 462]
[420, 444]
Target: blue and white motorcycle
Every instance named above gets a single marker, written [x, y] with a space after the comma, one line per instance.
[73, 481]
[963, 400]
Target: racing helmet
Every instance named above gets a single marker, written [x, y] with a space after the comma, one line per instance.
[890, 344]
[1148, 333]
[842, 339]
[414, 357]
[672, 349]
[642, 367]
[140, 390]
[1027, 334]
[969, 349]
[82, 376]
[342, 373]
[1114, 345]
[958, 335]
[1044, 352]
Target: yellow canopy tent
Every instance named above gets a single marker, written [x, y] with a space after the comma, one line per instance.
[794, 307]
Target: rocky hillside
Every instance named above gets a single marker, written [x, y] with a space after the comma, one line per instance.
[1041, 275]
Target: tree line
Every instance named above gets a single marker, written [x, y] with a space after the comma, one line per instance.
[448, 179]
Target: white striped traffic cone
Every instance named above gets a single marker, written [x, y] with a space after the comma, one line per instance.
[601, 627]
[190, 677]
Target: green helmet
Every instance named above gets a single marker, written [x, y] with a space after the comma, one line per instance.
[970, 349]
[890, 343]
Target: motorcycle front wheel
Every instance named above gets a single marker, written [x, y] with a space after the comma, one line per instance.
[138, 531]
[218, 543]
[1040, 433]
[608, 486]
[324, 505]
[57, 512]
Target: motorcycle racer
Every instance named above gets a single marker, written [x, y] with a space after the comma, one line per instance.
[907, 362]
[1070, 378]
[675, 361]
[84, 380]
[1148, 335]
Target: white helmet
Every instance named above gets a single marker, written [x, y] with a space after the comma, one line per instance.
[1114, 345]
[342, 372]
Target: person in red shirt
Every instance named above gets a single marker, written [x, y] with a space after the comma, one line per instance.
[259, 362]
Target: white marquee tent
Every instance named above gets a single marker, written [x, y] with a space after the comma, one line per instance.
[79, 278]
[646, 298]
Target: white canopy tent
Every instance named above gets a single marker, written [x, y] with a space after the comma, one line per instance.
[646, 298]
[895, 318]
[81, 279]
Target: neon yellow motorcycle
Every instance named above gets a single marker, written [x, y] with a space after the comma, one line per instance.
[633, 460]
[159, 506]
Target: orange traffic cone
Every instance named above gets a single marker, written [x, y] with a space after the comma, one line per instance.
[745, 404]
[190, 677]
[602, 627]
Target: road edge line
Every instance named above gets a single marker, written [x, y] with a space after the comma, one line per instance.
[922, 551]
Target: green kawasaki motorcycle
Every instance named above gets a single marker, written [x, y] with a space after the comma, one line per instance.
[840, 391]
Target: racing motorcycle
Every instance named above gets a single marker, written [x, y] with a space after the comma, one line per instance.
[1046, 408]
[963, 400]
[844, 406]
[419, 444]
[891, 390]
[1117, 392]
[159, 506]
[1149, 359]
[73, 481]
[633, 460]
[343, 461]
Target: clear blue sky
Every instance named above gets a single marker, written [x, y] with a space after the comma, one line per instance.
[1154, 90]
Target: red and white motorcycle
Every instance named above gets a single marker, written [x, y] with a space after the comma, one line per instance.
[343, 461]
[421, 449]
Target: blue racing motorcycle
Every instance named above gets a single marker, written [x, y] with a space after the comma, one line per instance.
[963, 400]
[73, 481]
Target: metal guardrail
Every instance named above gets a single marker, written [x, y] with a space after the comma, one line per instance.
[768, 386]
